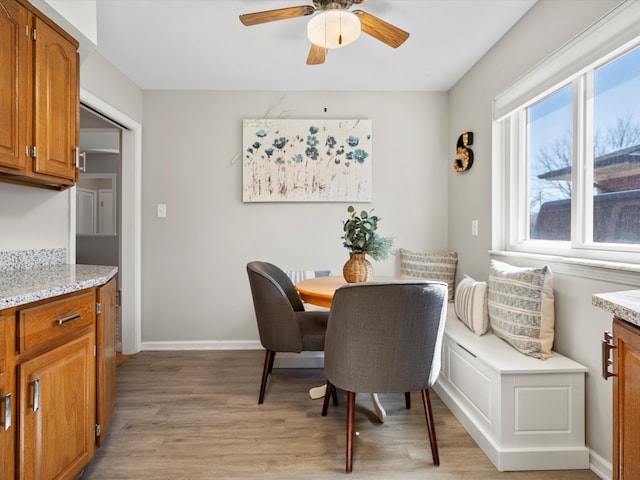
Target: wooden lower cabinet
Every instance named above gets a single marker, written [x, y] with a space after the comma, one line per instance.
[57, 363]
[57, 411]
[6, 406]
[106, 358]
[626, 392]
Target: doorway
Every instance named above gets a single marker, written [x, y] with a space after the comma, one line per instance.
[98, 202]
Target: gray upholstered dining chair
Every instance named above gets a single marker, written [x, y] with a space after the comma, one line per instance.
[283, 323]
[385, 338]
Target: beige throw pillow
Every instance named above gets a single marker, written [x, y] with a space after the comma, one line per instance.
[521, 307]
[439, 267]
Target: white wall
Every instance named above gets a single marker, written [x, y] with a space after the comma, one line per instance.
[195, 286]
[545, 28]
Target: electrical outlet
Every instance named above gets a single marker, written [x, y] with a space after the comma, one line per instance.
[162, 210]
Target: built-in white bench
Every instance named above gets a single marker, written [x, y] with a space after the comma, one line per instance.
[525, 413]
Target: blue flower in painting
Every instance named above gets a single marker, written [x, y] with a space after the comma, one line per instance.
[313, 130]
[349, 155]
[353, 141]
[256, 145]
[360, 155]
[250, 150]
[279, 143]
[336, 161]
[331, 142]
[312, 141]
[269, 151]
[312, 153]
[340, 151]
[280, 161]
[261, 133]
[297, 158]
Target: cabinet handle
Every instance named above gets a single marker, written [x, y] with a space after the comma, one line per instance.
[36, 395]
[68, 319]
[7, 411]
[607, 361]
[80, 155]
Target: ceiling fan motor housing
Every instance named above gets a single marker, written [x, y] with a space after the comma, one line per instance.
[333, 5]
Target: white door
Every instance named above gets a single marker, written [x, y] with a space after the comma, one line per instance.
[106, 217]
[85, 211]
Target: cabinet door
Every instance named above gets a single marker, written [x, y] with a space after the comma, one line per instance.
[626, 392]
[106, 361]
[57, 412]
[56, 107]
[7, 430]
[14, 85]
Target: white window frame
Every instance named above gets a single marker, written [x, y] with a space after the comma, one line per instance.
[612, 36]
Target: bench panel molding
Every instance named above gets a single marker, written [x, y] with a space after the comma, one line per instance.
[525, 413]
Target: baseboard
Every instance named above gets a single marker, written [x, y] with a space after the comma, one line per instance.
[202, 345]
[283, 359]
[600, 466]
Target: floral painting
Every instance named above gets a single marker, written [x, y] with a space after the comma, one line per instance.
[306, 160]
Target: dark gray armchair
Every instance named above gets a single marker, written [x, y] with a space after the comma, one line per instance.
[283, 324]
[385, 338]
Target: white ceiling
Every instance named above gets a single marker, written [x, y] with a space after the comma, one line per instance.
[201, 44]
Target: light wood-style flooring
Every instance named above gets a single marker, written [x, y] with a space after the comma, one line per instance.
[195, 416]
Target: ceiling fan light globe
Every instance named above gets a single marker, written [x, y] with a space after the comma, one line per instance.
[333, 28]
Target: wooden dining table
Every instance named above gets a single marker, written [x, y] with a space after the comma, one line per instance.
[319, 291]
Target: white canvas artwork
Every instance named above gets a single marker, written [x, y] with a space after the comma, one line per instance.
[306, 160]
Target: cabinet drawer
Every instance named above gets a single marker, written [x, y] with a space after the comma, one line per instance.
[51, 321]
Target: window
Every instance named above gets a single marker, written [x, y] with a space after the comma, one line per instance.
[567, 150]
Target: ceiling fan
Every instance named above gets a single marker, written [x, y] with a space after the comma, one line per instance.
[336, 25]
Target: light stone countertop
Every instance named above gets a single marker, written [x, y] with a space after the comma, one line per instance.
[624, 304]
[19, 287]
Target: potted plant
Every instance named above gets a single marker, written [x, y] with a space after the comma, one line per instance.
[361, 238]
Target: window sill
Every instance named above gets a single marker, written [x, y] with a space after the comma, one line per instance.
[606, 271]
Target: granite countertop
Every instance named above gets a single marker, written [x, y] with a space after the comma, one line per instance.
[624, 304]
[22, 286]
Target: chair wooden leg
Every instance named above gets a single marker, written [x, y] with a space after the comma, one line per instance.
[426, 400]
[351, 407]
[268, 365]
[334, 395]
[328, 393]
[407, 399]
[271, 359]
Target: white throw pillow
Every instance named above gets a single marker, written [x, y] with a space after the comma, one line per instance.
[471, 304]
[521, 307]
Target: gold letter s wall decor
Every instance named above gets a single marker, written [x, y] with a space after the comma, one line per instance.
[466, 154]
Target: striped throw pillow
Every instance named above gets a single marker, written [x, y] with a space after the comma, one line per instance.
[471, 304]
[521, 307]
[439, 267]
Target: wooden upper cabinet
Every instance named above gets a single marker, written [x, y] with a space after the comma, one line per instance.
[56, 103]
[14, 85]
[39, 91]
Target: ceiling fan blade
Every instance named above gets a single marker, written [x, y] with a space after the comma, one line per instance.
[278, 14]
[383, 31]
[317, 55]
